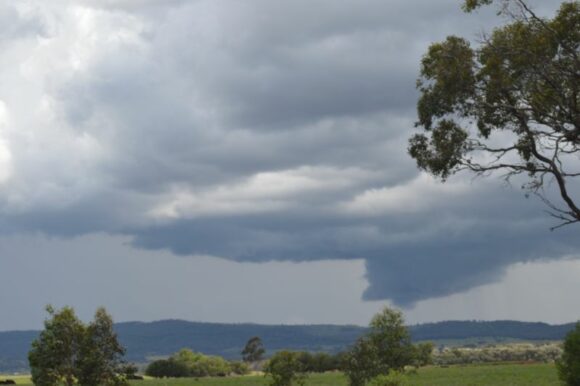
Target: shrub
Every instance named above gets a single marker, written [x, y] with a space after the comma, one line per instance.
[167, 368]
[285, 369]
[239, 368]
[569, 365]
[187, 363]
[209, 366]
[393, 378]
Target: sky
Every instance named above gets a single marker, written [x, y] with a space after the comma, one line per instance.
[227, 161]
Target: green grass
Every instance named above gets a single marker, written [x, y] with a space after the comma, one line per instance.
[488, 375]
[482, 375]
[20, 379]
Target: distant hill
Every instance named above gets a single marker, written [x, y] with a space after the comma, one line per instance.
[157, 339]
[496, 329]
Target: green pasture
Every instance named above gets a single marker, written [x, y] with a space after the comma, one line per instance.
[477, 375]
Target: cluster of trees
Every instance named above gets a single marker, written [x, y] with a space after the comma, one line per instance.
[187, 363]
[377, 357]
[70, 352]
[516, 352]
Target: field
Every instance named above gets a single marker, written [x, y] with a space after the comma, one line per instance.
[484, 375]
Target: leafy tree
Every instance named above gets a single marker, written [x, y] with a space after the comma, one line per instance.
[569, 364]
[54, 354]
[69, 352]
[254, 350]
[361, 363]
[391, 337]
[285, 369]
[101, 355]
[511, 104]
[386, 347]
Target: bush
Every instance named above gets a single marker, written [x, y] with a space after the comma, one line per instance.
[423, 354]
[569, 365]
[167, 368]
[239, 368]
[209, 366]
[394, 378]
[285, 369]
[187, 363]
[319, 362]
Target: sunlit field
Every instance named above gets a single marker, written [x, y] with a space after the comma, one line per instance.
[483, 375]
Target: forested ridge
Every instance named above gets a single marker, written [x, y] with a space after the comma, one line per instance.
[162, 338]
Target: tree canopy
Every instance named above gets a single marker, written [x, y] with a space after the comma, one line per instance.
[254, 350]
[511, 104]
[386, 347]
[285, 369]
[569, 364]
[70, 352]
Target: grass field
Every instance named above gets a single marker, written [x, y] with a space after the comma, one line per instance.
[484, 375]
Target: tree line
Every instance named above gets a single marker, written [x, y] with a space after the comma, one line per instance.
[70, 352]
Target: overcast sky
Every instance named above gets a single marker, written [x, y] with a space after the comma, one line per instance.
[246, 161]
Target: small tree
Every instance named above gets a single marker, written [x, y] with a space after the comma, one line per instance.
[100, 361]
[285, 369]
[254, 350]
[361, 362]
[54, 354]
[569, 365]
[387, 346]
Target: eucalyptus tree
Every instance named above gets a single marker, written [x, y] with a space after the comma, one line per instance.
[509, 104]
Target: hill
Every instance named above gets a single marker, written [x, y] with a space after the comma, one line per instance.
[156, 339]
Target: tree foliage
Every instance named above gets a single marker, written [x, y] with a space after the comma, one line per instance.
[569, 364]
[254, 350]
[54, 355]
[100, 360]
[386, 347]
[511, 104]
[70, 352]
[393, 378]
[187, 363]
[285, 369]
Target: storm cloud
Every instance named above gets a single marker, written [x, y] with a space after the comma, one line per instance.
[251, 131]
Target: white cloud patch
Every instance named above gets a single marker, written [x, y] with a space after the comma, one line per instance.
[263, 192]
[420, 194]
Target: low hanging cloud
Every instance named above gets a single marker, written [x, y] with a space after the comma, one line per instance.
[252, 131]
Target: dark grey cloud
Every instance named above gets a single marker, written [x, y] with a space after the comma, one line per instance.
[255, 132]
[458, 243]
